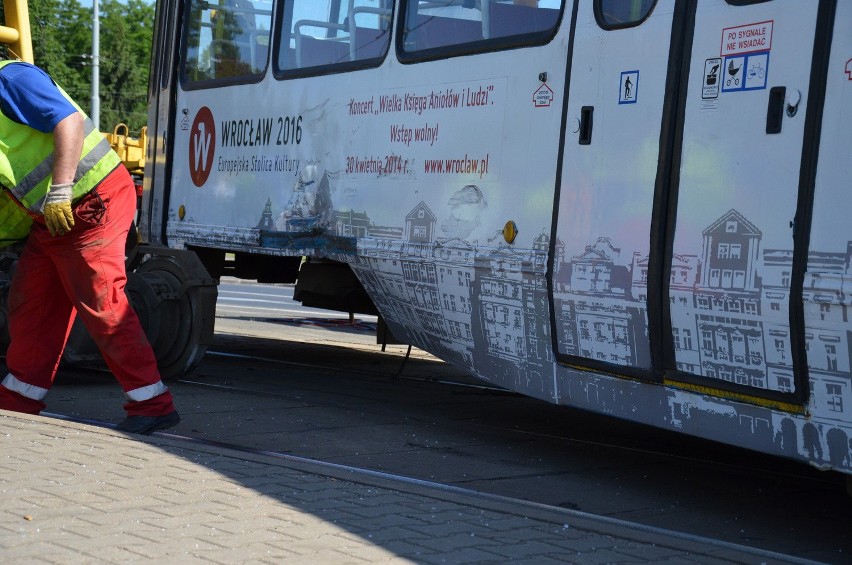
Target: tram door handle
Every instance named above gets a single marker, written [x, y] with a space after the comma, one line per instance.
[775, 110]
[586, 113]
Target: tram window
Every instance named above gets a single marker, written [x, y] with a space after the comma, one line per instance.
[473, 25]
[333, 35]
[228, 39]
[615, 14]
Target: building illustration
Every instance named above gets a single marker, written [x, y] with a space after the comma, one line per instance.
[486, 310]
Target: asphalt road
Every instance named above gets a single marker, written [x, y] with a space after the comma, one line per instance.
[283, 378]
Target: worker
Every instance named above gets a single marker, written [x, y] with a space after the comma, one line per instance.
[76, 201]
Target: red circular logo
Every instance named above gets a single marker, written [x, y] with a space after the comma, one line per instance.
[202, 146]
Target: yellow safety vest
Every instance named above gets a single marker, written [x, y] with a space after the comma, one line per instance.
[26, 168]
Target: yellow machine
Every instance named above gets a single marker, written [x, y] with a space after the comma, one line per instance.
[16, 32]
[130, 149]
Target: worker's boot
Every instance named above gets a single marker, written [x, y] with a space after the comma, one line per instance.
[147, 425]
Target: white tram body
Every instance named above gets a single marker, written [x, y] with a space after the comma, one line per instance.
[635, 207]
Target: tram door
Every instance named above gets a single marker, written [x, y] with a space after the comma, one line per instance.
[615, 108]
[732, 254]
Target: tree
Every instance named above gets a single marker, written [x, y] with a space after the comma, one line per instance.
[62, 40]
[125, 55]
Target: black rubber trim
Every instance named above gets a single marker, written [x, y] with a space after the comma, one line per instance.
[807, 183]
[664, 211]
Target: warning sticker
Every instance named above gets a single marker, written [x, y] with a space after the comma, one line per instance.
[747, 38]
[710, 87]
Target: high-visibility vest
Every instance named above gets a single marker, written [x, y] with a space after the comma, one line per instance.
[26, 169]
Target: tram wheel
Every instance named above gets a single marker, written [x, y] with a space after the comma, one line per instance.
[173, 312]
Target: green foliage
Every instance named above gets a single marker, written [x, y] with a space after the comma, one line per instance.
[125, 56]
[62, 46]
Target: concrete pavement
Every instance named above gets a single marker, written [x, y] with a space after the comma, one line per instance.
[74, 493]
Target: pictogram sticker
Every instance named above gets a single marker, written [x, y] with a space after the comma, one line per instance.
[745, 72]
[184, 121]
[628, 92]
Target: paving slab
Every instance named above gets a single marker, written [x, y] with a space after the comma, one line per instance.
[75, 493]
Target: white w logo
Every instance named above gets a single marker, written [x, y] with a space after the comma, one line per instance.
[202, 146]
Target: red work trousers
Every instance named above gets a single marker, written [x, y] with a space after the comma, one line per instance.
[80, 272]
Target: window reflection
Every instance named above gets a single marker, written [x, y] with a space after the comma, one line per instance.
[229, 38]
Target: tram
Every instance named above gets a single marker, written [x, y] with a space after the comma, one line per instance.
[634, 207]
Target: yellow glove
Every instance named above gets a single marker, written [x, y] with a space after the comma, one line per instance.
[57, 209]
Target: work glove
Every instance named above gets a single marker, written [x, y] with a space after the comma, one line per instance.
[57, 209]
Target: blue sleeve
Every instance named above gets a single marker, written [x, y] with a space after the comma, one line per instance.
[30, 97]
